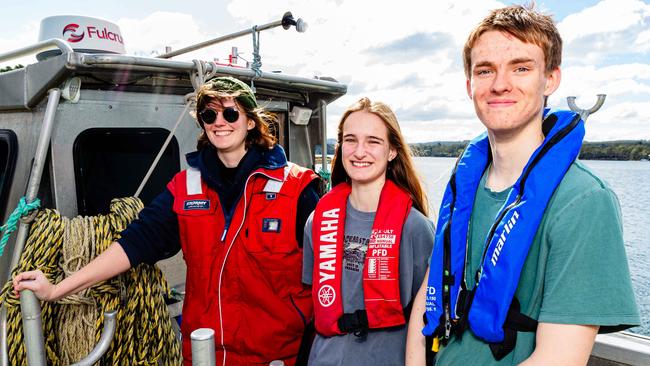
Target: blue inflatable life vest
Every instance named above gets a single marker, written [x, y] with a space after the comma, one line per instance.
[450, 305]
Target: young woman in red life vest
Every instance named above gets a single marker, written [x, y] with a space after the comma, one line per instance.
[231, 214]
[367, 243]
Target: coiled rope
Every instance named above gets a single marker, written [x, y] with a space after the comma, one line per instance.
[60, 246]
[42, 250]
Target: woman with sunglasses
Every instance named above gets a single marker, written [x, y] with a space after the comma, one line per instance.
[367, 243]
[238, 214]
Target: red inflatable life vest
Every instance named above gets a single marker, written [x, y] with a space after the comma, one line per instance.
[383, 307]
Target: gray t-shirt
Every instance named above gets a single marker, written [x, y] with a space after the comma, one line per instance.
[378, 347]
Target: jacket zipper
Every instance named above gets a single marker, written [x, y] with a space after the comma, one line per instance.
[223, 264]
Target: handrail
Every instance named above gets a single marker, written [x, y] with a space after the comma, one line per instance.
[323, 120]
[30, 310]
[146, 63]
[36, 47]
[33, 185]
[110, 323]
[622, 348]
[286, 22]
[35, 342]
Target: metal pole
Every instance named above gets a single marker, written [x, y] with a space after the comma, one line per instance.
[286, 21]
[584, 113]
[105, 340]
[36, 47]
[146, 63]
[37, 169]
[4, 356]
[32, 190]
[30, 309]
[203, 353]
[323, 120]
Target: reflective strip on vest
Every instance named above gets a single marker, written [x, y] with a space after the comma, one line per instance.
[274, 186]
[193, 181]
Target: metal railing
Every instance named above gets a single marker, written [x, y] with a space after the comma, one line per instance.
[32, 190]
[37, 47]
[33, 333]
[286, 22]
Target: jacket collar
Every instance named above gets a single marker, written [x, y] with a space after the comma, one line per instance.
[272, 161]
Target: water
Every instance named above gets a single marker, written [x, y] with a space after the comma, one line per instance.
[627, 179]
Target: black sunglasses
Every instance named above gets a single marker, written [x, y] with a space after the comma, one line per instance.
[208, 116]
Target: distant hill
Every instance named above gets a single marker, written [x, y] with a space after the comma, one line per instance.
[605, 150]
[330, 147]
[449, 149]
[616, 150]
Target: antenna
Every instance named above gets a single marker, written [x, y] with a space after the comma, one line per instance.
[286, 22]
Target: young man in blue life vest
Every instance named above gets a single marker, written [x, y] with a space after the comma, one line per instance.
[529, 262]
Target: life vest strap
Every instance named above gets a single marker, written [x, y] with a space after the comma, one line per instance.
[356, 323]
[465, 299]
[448, 280]
[438, 333]
[515, 322]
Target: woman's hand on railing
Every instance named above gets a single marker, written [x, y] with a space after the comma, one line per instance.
[36, 282]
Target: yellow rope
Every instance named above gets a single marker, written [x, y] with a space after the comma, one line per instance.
[144, 334]
[42, 251]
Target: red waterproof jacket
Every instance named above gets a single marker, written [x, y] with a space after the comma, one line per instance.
[244, 281]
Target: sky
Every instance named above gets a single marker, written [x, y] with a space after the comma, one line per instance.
[404, 53]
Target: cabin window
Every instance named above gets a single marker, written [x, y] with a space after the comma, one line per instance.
[8, 155]
[111, 163]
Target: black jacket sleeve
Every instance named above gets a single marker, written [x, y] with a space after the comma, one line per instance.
[154, 235]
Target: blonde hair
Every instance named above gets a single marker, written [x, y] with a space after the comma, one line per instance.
[400, 170]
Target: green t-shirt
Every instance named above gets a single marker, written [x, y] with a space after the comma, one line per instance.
[576, 271]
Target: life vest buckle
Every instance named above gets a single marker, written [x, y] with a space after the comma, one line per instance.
[356, 323]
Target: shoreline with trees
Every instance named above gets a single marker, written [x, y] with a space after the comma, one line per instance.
[603, 150]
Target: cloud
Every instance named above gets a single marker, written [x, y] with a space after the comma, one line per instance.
[441, 130]
[605, 31]
[26, 35]
[623, 79]
[620, 121]
[413, 47]
[410, 57]
[642, 41]
[150, 35]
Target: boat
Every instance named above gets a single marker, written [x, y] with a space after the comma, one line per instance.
[81, 126]
[84, 125]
